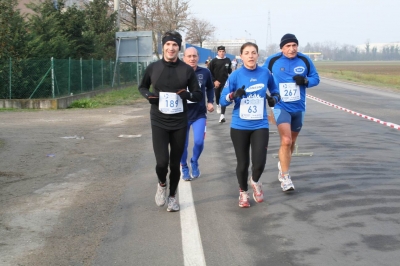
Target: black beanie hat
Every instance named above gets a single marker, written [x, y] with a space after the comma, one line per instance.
[172, 36]
[287, 38]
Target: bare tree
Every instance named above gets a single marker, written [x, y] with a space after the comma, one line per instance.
[174, 15]
[272, 49]
[198, 31]
[160, 16]
[157, 16]
[367, 47]
[129, 14]
[149, 16]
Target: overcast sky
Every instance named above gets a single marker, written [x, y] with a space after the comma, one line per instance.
[340, 21]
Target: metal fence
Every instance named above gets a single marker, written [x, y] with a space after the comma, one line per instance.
[54, 78]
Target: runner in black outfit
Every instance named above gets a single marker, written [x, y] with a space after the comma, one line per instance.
[169, 78]
[220, 68]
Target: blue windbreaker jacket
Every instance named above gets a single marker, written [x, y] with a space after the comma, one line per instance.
[256, 83]
[283, 70]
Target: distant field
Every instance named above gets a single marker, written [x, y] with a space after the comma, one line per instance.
[374, 73]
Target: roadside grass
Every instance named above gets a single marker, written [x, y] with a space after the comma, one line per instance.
[380, 74]
[17, 110]
[7, 109]
[124, 96]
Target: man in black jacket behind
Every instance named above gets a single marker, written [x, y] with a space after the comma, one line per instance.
[220, 68]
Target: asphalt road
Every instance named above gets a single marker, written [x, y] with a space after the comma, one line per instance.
[345, 209]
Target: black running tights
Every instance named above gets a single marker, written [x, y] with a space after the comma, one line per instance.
[164, 139]
[242, 141]
[217, 97]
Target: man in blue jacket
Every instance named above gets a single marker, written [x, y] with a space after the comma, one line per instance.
[293, 72]
[197, 115]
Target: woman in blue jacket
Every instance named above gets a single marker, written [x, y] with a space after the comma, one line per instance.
[247, 89]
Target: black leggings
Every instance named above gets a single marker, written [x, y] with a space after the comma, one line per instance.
[242, 141]
[217, 97]
[162, 139]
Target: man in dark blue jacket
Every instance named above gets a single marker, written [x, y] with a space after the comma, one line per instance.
[197, 115]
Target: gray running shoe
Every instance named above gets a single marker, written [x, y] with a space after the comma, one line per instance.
[161, 195]
[173, 204]
[287, 184]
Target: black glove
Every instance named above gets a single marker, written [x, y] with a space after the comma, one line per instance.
[184, 94]
[239, 92]
[300, 80]
[271, 101]
[152, 98]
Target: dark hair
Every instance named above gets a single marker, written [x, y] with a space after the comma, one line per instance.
[248, 44]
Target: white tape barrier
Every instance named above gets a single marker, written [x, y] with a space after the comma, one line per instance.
[389, 124]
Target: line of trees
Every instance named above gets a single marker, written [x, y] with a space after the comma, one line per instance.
[333, 51]
[57, 32]
[88, 31]
[346, 52]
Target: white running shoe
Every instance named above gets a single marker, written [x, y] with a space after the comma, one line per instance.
[244, 199]
[222, 119]
[218, 109]
[161, 195]
[280, 178]
[258, 194]
[287, 184]
[173, 204]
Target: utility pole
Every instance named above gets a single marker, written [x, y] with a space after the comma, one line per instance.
[269, 35]
[116, 8]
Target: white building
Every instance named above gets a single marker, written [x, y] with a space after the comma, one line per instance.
[231, 46]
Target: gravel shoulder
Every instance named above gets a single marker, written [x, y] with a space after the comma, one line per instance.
[61, 176]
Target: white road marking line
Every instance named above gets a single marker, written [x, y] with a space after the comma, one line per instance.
[129, 136]
[388, 124]
[192, 247]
